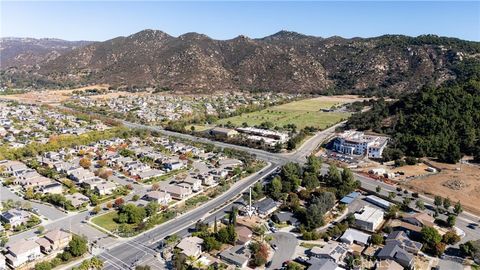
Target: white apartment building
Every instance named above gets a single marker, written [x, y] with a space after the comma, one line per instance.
[353, 142]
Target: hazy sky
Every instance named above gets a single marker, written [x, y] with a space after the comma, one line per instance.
[224, 20]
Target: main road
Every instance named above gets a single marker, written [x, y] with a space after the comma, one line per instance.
[125, 254]
[128, 253]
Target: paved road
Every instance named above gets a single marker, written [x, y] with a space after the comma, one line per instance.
[121, 254]
[50, 212]
[129, 256]
[286, 244]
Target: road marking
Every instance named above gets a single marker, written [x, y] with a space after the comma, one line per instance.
[114, 265]
[115, 258]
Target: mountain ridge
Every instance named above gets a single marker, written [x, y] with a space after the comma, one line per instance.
[284, 61]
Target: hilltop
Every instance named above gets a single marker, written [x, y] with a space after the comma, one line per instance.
[285, 61]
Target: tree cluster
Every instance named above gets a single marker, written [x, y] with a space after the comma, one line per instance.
[439, 122]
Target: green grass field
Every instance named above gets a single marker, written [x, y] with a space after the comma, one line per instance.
[106, 221]
[301, 113]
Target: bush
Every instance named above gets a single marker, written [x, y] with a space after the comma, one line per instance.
[310, 235]
[43, 266]
[377, 239]
[411, 160]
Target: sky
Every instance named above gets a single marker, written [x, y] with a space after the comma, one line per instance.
[98, 21]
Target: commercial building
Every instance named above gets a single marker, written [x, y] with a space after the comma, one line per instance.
[353, 142]
[378, 201]
[369, 218]
[223, 132]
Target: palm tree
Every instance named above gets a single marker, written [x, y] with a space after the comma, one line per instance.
[199, 264]
[191, 260]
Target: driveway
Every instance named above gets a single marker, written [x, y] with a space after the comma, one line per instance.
[286, 244]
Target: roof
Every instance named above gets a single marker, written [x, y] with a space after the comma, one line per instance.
[422, 218]
[321, 264]
[401, 238]
[332, 249]
[265, 205]
[157, 195]
[222, 130]
[347, 200]
[388, 265]
[352, 235]
[244, 233]
[22, 246]
[238, 254]
[15, 213]
[378, 201]
[369, 214]
[286, 217]
[393, 251]
[191, 246]
[56, 235]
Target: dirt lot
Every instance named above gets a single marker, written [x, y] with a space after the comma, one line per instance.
[458, 182]
[51, 97]
[410, 171]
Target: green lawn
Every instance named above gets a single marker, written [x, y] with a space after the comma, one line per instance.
[301, 113]
[106, 221]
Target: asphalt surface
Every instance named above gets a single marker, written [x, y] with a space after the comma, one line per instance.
[299, 156]
[46, 211]
[123, 254]
[285, 248]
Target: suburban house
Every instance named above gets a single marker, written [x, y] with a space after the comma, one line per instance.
[393, 251]
[160, 197]
[207, 179]
[53, 188]
[54, 240]
[420, 219]
[15, 217]
[77, 199]
[322, 264]
[388, 265]
[13, 168]
[369, 218]
[105, 188]
[33, 182]
[244, 235]
[238, 255]
[191, 246]
[352, 236]
[147, 174]
[285, 218]
[79, 175]
[332, 250]
[22, 251]
[173, 165]
[92, 183]
[353, 142]
[177, 192]
[265, 207]
[195, 183]
[400, 238]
